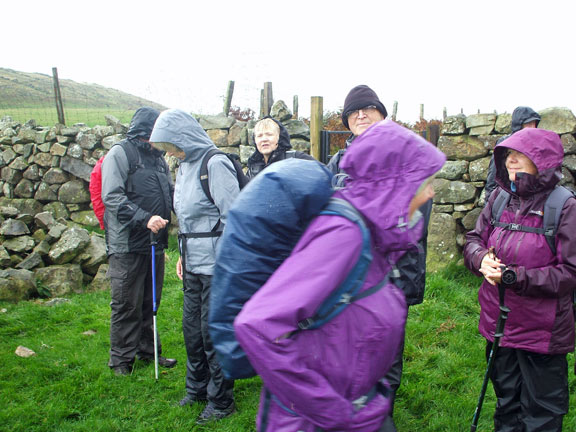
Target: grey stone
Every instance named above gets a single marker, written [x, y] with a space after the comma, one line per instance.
[87, 141]
[570, 162]
[24, 149]
[23, 205]
[27, 135]
[453, 192]
[469, 221]
[569, 144]
[45, 193]
[24, 189]
[42, 248]
[442, 246]
[117, 127]
[57, 209]
[101, 281]
[4, 257]
[297, 129]
[62, 139]
[280, 111]
[73, 192]
[32, 173]
[218, 136]
[11, 176]
[75, 151]
[454, 125]
[42, 136]
[19, 163]
[300, 145]
[44, 220]
[209, 122]
[43, 159]
[111, 140]
[76, 167]
[478, 169]
[245, 153]
[235, 134]
[19, 244]
[85, 217]
[453, 170]
[102, 131]
[60, 280]
[56, 176]
[442, 208]
[503, 123]
[70, 244]
[9, 155]
[58, 150]
[559, 120]
[16, 285]
[44, 147]
[33, 260]
[55, 232]
[462, 147]
[13, 228]
[93, 255]
[8, 210]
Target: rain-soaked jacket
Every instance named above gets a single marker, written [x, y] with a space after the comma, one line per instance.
[520, 117]
[195, 212]
[541, 317]
[284, 150]
[317, 378]
[131, 199]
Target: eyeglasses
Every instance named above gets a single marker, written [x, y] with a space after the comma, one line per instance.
[370, 109]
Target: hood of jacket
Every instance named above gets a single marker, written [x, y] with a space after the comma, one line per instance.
[543, 148]
[523, 115]
[283, 144]
[179, 128]
[386, 165]
[141, 126]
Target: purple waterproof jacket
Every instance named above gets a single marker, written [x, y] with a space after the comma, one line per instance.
[541, 317]
[316, 379]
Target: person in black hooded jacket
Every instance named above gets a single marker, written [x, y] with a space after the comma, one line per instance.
[523, 117]
[272, 145]
[137, 192]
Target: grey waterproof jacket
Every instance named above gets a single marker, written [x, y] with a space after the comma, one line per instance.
[195, 212]
[132, 198]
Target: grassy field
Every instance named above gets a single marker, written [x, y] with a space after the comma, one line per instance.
[48, 116]
[67, 386]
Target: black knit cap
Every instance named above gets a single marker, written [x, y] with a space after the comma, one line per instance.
[360, 97]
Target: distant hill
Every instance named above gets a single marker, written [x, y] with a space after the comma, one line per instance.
[31, 90]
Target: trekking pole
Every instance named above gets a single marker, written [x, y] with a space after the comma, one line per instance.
[153, 243]
[508, 277]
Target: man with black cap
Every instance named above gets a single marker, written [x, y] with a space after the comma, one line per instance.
[522, 117]
[362, 108]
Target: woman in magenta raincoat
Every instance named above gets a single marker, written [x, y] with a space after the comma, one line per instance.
[330, 378]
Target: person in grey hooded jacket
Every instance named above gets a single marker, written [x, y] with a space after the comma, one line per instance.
[523, 117]
[201, 222]
[137, 193]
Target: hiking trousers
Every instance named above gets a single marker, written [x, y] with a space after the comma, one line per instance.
[131, 321]
[204, 377]
[531, 390]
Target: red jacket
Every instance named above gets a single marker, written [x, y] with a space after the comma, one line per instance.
[96, 192]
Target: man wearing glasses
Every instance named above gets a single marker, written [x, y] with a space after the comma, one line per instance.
[362, 108]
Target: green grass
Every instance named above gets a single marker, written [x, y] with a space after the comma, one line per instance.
[68, 387]
[48, 116]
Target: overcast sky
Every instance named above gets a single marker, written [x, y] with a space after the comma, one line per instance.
[487, 56]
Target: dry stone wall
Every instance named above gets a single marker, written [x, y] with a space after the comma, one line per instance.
[45, 210]
[48, 248]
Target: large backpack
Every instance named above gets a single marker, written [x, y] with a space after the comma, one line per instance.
[551, 217]
[242, 179]
[263, 226]
[95, 185]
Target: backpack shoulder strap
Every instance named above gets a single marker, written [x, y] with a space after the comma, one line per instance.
[552, 212]
[132, 154]
[499, 205]
[347, 291]
[204, 173]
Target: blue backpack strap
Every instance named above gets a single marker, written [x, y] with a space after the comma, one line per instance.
[347, 291]
[552, 212]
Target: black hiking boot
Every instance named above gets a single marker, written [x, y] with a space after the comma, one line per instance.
[162, 361]
[122, 370]
[191, 400]
[211, 413]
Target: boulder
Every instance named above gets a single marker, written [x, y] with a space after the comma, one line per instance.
[74, 192]
[219, 121]
[59, 280]
[453, 170]
[559, 120]
[101, 281]
[70, 244]
[454, 125]
[16, 285]
[453, 192]
[93, 255]
[280, 111]
[13, 228]
[462, 147]
[442, 246]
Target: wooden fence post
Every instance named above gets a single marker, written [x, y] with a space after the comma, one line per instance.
[316, 125]
[228, 98]
[295, 106]
[267, 99]
[394, 110]
[444, 114]
[58, 96]
[421, 111]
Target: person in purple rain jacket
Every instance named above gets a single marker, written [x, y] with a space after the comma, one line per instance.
[529, 375]
[331, 378]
